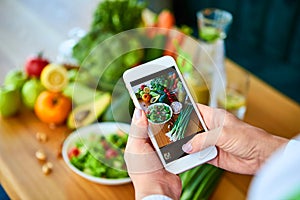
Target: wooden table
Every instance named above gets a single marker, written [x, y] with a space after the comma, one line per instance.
[28, 26]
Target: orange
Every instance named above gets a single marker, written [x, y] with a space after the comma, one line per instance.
[52, 107]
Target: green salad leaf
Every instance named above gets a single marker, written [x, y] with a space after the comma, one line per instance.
[101, 156]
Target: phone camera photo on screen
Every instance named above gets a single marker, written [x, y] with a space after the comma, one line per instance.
[171, 115]
[159, 89]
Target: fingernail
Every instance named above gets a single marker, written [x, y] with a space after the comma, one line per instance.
[137, 113]
[187, 147]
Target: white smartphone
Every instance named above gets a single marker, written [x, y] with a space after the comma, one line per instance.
[159, 89]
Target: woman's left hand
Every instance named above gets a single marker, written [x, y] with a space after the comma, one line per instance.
[143, 165]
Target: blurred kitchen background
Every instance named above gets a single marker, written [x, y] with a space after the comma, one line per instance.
[264, 36]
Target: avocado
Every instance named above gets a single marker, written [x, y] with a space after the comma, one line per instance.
[154, 99]
[89, 112]
[80, 93]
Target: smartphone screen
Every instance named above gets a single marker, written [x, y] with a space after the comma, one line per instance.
[172, 118]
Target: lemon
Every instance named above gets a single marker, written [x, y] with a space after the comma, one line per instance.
[233, 100]
[54, 77]
[146, 90]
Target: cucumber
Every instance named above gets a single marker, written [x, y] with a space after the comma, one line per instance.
[162, 98]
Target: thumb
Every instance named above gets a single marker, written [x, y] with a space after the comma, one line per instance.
[202, 141]
[139, 125]
[139, 155]
[138, 133]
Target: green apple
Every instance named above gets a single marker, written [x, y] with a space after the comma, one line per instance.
[72, 74]
[30, 91]
[16, 78]
[10, 100]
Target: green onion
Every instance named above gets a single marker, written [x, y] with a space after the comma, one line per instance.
[200, 182]
[178, 130]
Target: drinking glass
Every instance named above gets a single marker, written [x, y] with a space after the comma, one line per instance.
[213, 25]
[199, 86]
[234, 97]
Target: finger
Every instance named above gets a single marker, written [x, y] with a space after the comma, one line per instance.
[206, 113]
[213, 117]
[139, 125]
[202, 141]
[138, 133]
[139, 156]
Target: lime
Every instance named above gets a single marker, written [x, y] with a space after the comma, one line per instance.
[209, 34]
[54, 77]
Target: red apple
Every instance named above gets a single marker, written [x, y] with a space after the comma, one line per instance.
[35, 65]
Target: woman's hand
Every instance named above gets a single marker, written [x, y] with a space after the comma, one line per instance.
[143, 165]
[242, 148]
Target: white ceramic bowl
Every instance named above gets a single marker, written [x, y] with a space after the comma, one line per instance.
[85, 132]
[160, 104]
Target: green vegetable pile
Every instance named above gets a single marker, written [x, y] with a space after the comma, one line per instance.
[110, 17]
[200, 182]
[100, 156]
[104, 54]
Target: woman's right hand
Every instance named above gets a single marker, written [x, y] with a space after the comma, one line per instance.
[242, 148]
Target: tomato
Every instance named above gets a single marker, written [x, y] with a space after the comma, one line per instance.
[73, 152]
[34, 65]
[142, 87]
[110, 153]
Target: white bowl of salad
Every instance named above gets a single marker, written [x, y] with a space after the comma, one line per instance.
[159, 113]
[96, 152]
